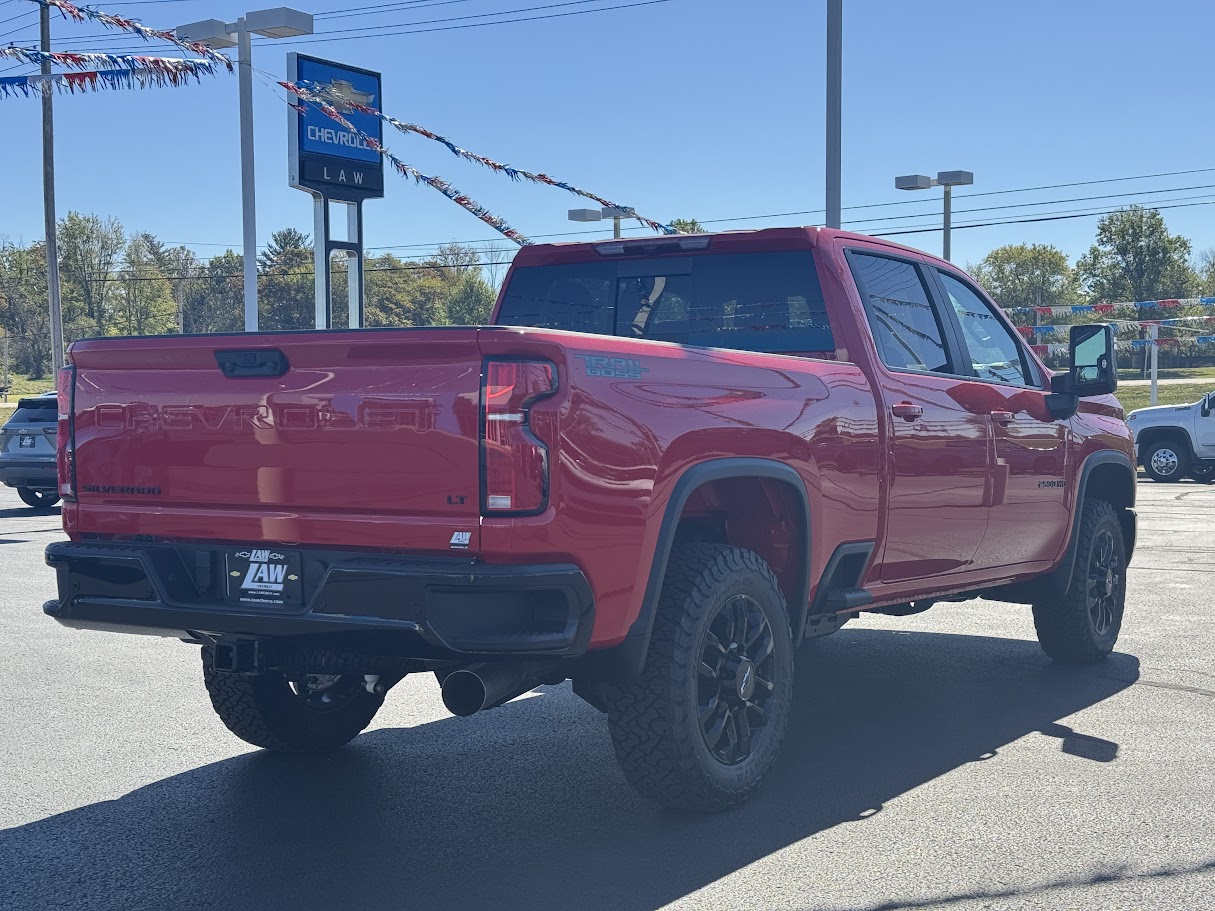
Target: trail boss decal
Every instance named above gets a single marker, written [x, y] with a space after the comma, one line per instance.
[264, 577]
[1056, 483]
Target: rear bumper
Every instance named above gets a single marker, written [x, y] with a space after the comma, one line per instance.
[420, 608]
[40, 473]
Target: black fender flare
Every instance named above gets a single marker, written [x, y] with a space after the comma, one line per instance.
[626, 660]
[1062, 574]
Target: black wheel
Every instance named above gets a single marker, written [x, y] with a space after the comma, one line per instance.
[1203, 472]
[1082, 626]
[309, 713]
[1166, 461]
[705, 722]
[42, 500]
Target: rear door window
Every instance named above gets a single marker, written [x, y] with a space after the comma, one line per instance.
[903, 320]
[770, 302]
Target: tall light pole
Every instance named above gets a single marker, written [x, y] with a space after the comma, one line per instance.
[48, 200]
[835, 89]
[280, 22]
[946, 179]
[599, 214]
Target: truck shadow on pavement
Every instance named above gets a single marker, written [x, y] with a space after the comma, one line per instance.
[524, 806]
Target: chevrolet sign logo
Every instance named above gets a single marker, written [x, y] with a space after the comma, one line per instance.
[346, 91]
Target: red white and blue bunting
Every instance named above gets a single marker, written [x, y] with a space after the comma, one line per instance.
[1167, 304]
[37, 85]
[466, 202]
[324, 95]
[78, 14]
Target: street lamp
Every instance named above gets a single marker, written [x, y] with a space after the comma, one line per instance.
[280, 22]
[946, 179]
[599, 214]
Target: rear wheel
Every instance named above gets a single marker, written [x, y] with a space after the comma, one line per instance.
[39, 499]
[1166, 461]
[308, 713]
[1203, 472]
[1082, 626]
[705, 722]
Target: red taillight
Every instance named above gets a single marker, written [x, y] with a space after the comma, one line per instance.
[514, 461]
[65, 445]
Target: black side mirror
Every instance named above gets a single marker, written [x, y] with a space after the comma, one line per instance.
[1092, 369]
[1206, 405]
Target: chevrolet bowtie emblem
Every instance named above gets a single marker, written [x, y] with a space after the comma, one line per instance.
[347, 92]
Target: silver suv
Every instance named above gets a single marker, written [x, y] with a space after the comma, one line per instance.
[27, 451]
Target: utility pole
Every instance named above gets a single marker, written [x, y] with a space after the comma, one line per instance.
[48, 196]
[835, 85]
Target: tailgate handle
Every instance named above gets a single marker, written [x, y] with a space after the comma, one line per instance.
[241, 362]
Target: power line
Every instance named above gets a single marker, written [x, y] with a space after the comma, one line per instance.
[343, 12]
[449, 28]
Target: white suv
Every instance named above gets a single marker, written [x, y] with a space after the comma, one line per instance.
[1175, 441]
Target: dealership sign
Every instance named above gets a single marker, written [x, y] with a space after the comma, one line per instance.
[324, 157]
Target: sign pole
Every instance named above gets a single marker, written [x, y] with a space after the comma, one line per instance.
[48, 197]
[354, 269]
[320, 258]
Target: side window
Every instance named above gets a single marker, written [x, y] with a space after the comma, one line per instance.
[994, 353]
[901, 315]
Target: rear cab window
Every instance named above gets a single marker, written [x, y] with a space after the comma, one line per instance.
[768, 302]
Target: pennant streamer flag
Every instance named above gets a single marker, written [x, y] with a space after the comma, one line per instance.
[497, 223]
[71, 11]
[171, 67]
[96, 80]
[320, 94]
[1168, 303]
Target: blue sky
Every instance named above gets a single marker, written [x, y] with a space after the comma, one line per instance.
[710, 109]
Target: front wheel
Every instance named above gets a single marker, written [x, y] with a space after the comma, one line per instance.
[705, 722]
[1166, 461]
[1082, 626]
[41, 500]
[309, 713]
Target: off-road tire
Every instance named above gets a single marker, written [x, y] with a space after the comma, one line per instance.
[1181, 460]
[654, 722]
[1067, 627]
[263, 709]
[41, 500]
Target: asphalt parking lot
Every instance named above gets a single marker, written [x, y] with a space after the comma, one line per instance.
[937, 761]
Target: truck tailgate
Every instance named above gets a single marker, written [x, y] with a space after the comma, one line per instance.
[361, 439]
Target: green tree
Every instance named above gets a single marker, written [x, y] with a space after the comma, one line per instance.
[687, 226]
[470, 299]
[145, 305]
[1028, 275]
[216, 301]
[1205, 267]
[1135, 258]
[286, 289]
[23, 309]
[90, 249]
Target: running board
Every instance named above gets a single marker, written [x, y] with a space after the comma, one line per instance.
[846, 599]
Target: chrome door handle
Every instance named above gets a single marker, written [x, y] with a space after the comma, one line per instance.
[907, 411]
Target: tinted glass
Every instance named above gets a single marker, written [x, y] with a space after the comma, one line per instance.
[901, 314]
[577, 298]
[769, 302]
[994, 353]
[35, 411]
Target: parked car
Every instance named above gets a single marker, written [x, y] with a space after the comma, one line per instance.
[668, 463]
[27, 451]
[1176, 441]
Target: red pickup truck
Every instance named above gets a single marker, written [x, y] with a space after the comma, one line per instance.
[667, 463]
